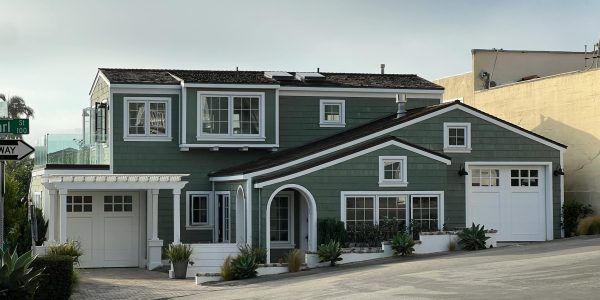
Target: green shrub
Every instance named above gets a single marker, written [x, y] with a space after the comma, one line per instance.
[244, 266]
[403, 244]
[389, 227]
[259, 253]
[589, 225]
[331, 229]
[41, 225]
[70, 248]
[17, 279]
[472, 238]
[59, 279]
[294, 260]
[365, 235]
[572, 212]
[330, 252]
[179, 252]
[226, 270]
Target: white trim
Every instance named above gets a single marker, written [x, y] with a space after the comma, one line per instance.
[147, 136]
[232, 86]
[351, 156]
[217, 145]
[289, 244]
[114, 181]
[368, 90]
[240, 216]
[440, 207]
[183, 108]
[466, 148]
[384, 96]
[276, 116]
[217, 212]
[562, 191]
[111, 135]
[248, 208]
[209, 215]
[403, 181]
[326, 123]
[99, 75]
[129, 86]
[161, 92]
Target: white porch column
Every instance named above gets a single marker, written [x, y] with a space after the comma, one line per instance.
[154, 244]
[176, 216]
[51, 216]
[155, 214]
[63, 215]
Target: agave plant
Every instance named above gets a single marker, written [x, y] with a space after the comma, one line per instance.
[473, 238]
[402, 244]
[330, 252]
[244, 266]
[17, 279]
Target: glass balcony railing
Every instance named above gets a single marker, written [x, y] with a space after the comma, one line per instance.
[70, 149]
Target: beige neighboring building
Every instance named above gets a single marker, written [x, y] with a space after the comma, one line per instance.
[555, 94]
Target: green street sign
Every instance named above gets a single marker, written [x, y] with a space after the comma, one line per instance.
[14, 126]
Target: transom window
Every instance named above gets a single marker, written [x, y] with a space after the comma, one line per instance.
[147, 117]
[457, 137]
[332, 113]
[392, 171]
[485, 177]
[280, 219]
[425, 212]
[524, 177]
[79, 203]
[231, 116]
[118, 203]
[198, 210]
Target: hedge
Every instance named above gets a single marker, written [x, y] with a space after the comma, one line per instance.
[57, 279]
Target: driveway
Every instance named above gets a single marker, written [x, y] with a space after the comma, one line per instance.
[563, 269]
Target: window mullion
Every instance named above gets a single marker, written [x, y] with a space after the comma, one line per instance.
[230, 115]
[147, 121]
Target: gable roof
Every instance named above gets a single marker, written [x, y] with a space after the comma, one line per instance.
[339, 80]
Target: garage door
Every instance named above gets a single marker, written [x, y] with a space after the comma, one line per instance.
[107, 227]
[509, 199]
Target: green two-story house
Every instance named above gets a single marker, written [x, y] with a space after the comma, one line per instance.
[253, 157]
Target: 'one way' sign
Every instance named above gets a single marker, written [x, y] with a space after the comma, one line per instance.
[14, 149]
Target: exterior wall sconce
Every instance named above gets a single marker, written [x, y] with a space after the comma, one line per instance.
[559, 171]
[462, 171]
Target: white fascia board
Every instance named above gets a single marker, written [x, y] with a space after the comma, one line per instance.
[228, 145]
[232, 86]
[366, 90]
[351, 156]
[146, 86]
[228, 178]
[98, 76]
[507, 163]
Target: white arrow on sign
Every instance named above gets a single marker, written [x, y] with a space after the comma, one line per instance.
[14, 149]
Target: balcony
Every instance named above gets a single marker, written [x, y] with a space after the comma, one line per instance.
[70, 151]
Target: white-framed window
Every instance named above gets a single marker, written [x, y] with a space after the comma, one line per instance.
[79, 204]
[332, 113]
[118, 203]
[457, 137]
[231, 116]
[360, 210]
[147, 118]
[393, 171]
[281, 227]
[524, 177]
[199, 210]
[485, 177]
[425, 211]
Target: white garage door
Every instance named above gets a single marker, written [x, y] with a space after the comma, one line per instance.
[107, 227]
[510, 199]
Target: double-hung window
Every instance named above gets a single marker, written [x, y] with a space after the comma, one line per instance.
[281, 220]
[332, 113]
[231, 116]
[392, 171]
[198, 209]
[147, 118]
[457, 137]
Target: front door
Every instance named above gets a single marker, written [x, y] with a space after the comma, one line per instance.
[223, 218]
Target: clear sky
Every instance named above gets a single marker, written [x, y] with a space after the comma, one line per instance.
[50, 50]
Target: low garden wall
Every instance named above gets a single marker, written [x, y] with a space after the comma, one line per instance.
[208, 258]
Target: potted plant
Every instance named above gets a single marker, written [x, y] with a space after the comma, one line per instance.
[179, 257]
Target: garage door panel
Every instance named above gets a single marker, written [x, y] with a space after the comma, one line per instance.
[485, 208]
[119, 240]
[80, 229]
[525, 214]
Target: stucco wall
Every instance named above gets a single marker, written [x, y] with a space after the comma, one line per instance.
[459, 86]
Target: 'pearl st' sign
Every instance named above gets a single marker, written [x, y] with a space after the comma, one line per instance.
[14, 126]
[14, 149]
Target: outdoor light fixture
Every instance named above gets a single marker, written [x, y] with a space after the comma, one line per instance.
[559, 171]
[462, 171]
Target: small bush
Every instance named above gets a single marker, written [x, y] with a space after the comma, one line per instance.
[259, 253]
[389, 228]
[589, 226]
[473, 238]
[330, 252]
[331, 229]
[244, 266]
[403, 244]
[17, 279]
[365, 235]
[294, 259]
[70, 248]
[573, 211]
[226, 269]
[179, 252]
[452, 245]
[58, 278]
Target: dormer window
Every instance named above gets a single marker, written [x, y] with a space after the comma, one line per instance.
[457, 137]
[332, 113]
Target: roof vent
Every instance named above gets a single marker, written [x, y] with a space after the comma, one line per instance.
[401, 100]
[279, 75]
[310, 76]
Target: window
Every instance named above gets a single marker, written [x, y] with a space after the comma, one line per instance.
[147, 119]
[457, 137]
[79, 203]
[118, 203]
[198, 210]
[485, 177]
[100, 133]
[227, 116]
[392, 207]
[359, 210]
[392, 171]
[332, 113]
[524, 177]
[425, 212]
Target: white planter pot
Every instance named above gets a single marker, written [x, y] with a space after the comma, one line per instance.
[492, 241]
[312, 260]
[262, 271]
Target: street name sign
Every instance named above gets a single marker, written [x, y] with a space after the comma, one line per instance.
[14, 126]
[14, 149]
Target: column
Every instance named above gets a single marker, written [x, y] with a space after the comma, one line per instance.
[176, 216]
[154, 244]
[155, 215]
[63, 215]
[51, 216]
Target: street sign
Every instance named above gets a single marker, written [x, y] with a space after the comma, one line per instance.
[14, 126]
[14, 149]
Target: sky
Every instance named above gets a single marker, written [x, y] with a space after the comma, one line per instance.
[50, 50]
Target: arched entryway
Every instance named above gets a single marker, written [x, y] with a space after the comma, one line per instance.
[283, 198]
[240, 216]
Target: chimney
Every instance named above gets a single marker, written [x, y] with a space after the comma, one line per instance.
[401, 100]
[382, 68]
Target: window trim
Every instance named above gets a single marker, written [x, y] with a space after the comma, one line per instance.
[453, 148]
[146, 137]
[210, 211]
[403, 181]
[326, 123]
[200, 136]
[290, 243]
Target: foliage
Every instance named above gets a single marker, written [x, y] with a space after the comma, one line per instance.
[226, 269]
[573, 211]
[179, 252]
[17, 279]
[20, 170]
[330, 252]
[15, 218]
[244, 266]
[403, 244]
[42, 226]
[452, 245]
[294, 260]
[259, 253]
[365, 235]
[415, 228]
[472, 238]
[17, 107]
[59, 279]
[70, 248]
[589, 225]
[331, 229]
[389, 227]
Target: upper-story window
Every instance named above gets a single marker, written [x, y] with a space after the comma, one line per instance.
[457, 137]
[392, 171]
[231, 116]
[332, 113]
[147, 118]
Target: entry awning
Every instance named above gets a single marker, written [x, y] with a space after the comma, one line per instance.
[114, 181]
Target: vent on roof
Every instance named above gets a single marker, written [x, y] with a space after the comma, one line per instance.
[310, 76]
[279, 75]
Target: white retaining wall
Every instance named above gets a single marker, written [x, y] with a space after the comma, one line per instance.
[208, 258]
